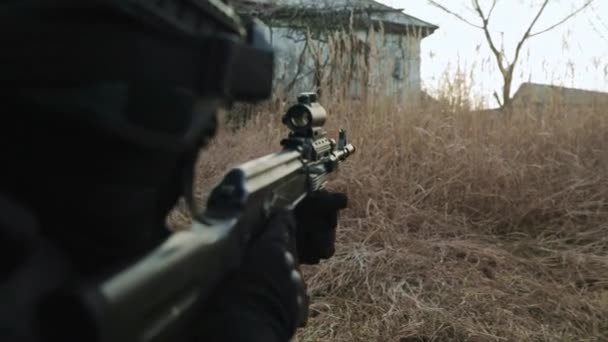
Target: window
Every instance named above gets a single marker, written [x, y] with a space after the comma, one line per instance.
[398, 69]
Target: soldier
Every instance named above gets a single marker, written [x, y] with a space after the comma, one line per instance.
[106, 105]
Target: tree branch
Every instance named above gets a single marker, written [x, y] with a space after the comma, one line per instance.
[563, 20]
[448, 11]
[497, 98]
[527, 33]
[486, 20]
[297, 76]
[492, 8]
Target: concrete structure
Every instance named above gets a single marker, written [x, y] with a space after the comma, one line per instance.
[538, 97]
[328, 44]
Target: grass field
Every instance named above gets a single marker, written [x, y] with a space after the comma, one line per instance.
[462, 226]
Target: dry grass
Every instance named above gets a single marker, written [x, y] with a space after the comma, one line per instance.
[462, 226]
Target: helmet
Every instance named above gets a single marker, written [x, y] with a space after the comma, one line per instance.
[157, 52]
[107, 103]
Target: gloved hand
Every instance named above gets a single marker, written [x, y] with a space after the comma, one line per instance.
[317, 219]
[265, 299]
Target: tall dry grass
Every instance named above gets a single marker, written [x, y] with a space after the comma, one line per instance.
[463, 225]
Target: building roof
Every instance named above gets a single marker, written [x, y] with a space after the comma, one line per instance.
[365, 13]
[539, 94]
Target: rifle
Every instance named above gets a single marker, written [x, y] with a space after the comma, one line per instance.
[151, 300]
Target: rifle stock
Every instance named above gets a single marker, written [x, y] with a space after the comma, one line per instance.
[151, 300]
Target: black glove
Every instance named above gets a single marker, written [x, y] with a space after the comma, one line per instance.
[317, 219]
[265, 299]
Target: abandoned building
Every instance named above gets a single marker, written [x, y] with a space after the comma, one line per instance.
[352, 46]
[540, 97]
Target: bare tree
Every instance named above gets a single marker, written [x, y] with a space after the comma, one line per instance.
[505, 65]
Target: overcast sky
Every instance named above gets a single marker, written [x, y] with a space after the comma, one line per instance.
[574, 55]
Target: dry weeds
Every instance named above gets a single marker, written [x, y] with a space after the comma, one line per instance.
[462, 226]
